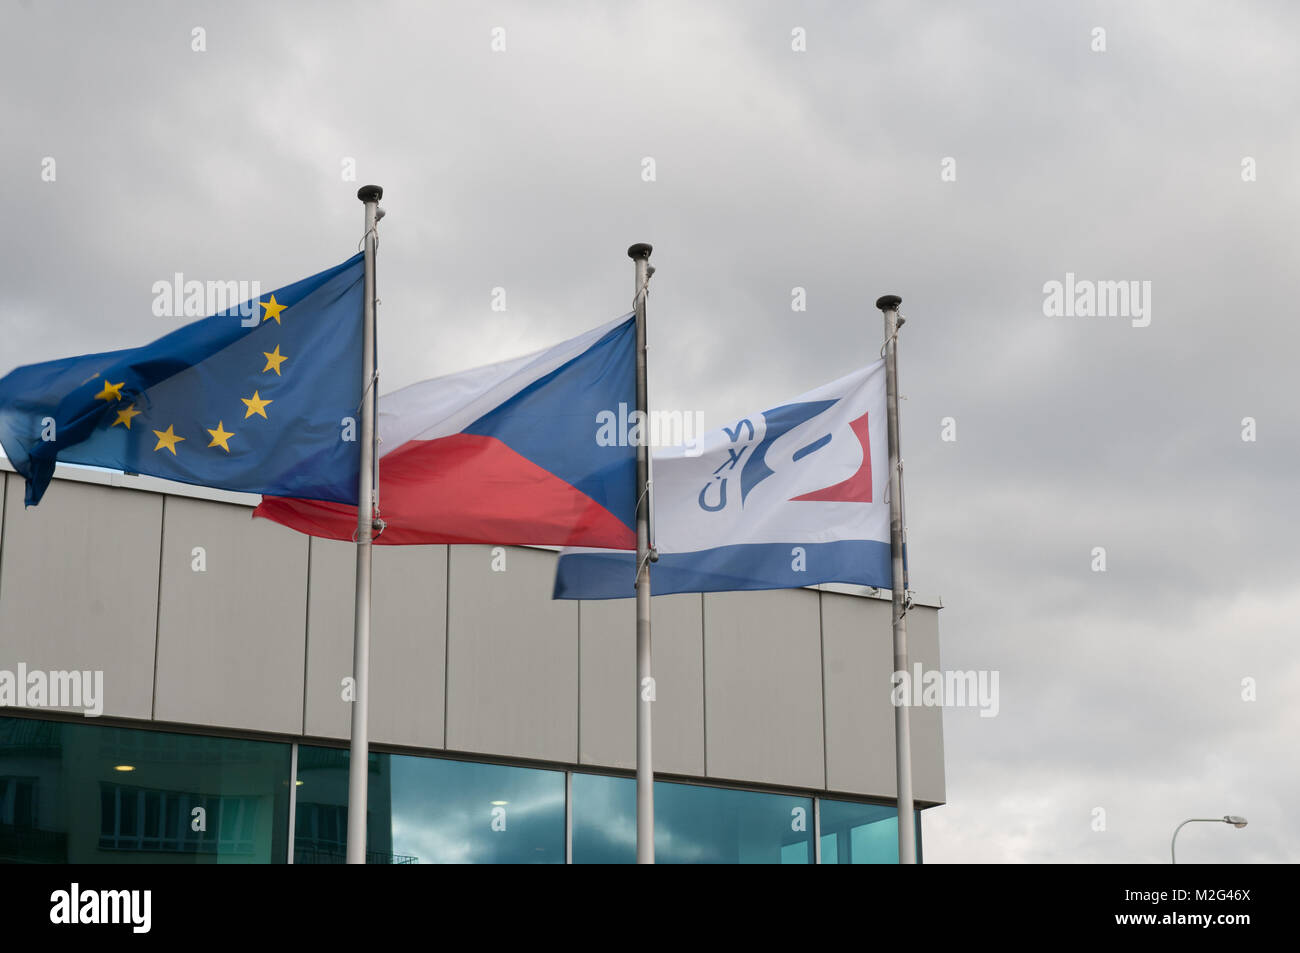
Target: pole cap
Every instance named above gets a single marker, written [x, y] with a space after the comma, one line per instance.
[888, 302]
[641, 250]
[370, 193]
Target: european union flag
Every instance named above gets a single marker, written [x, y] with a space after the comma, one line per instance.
[267, 409]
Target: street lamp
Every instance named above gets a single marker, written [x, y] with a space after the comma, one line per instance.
[1232, 819]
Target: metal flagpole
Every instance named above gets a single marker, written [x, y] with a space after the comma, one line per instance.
[902, 729]
[645, 792]
[359, 753]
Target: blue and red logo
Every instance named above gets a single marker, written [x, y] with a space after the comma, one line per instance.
[755, 469]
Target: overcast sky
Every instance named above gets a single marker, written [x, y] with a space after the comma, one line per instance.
[776, 169]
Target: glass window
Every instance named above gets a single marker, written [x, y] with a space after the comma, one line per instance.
[693, 824]
[86, 793]
[854, 833]
[430, 811]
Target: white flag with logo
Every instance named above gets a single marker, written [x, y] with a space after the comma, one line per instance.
[790, 497]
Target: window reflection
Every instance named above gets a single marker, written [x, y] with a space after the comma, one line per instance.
[693, 824]
[854, 833]
[431, 811]
[82, 793]
[79, 793]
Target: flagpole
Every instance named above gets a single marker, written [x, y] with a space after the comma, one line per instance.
[359, 752]
[645, 792]
[888, 304]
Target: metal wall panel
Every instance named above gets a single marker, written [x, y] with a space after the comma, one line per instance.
[231, 639]
[79, 587]
[763, 687]
[512, 657]
[859, 660]
[607, 683]
[250, 643]
[408, 642]
[329, 639]
[926, 723]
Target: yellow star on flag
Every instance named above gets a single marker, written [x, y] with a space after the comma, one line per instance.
[110, 391]
[167, 438]
[273, 360]
[220, 436]
[124, 417]
[273, 309]
[256, 405]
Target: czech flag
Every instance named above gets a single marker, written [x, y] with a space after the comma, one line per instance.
[512, 453]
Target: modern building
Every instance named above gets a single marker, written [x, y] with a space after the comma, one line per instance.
[502, 722]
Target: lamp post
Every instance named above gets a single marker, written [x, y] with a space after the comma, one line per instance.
[1232, 819]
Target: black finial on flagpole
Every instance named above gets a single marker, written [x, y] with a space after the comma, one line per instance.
[640, 250]
[370, 193]
[888, 302]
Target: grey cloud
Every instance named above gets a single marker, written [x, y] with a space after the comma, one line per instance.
[775, 170]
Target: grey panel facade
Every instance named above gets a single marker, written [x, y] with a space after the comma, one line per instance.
[859, 717]
[469, 652]
[231, 633]
[607, 683]
[408, 643]
[79, 587]
[512, 656]
[926, 723]
[763, 687]
[329, 639]
[857, 647]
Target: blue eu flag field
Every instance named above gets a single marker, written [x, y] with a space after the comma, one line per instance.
[265, 409]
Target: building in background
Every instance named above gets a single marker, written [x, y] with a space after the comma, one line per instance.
[502, 722]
